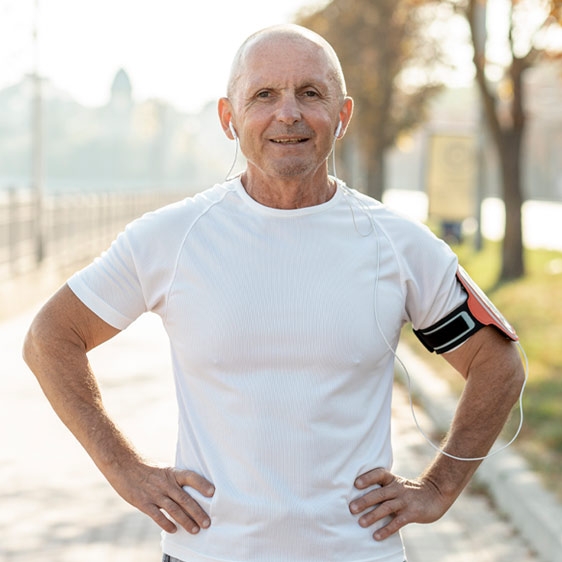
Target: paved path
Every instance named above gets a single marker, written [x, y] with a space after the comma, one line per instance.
[56, 507]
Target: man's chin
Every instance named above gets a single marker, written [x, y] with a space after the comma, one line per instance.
[285, 168]
[293, 172]
[291, 169]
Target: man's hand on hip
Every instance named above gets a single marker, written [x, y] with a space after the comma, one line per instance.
[152, 489]
[406, 501]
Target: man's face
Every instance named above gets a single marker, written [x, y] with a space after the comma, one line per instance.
[286, 106]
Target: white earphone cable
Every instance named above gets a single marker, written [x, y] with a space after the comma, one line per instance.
[228, 178]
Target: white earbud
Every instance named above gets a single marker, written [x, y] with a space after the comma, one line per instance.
[232, 130]
[338, 130]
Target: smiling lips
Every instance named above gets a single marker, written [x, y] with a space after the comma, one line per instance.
[289, 141]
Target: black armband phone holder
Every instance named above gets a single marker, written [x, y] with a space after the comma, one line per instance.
[475, 313]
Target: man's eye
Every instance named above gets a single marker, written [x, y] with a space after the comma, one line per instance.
[310, 94]
[264, 94]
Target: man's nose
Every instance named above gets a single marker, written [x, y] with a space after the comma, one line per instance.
[288, 111]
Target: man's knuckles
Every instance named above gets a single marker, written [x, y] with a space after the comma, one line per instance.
[195, 481]
[375, 476]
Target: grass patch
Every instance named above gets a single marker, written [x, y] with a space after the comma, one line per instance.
[533, 306]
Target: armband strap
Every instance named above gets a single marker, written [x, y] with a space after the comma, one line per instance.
[475, 313]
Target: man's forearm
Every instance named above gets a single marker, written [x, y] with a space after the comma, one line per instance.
[69, 384]
[64, 373]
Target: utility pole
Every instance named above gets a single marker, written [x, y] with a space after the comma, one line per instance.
[37, 142]
[480, 54]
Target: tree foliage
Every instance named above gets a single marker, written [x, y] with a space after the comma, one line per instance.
[377, 43]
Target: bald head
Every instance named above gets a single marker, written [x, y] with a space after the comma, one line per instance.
[291, 34]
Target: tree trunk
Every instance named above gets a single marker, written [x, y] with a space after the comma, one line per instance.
[375, 173]
[511, 164]
[507, 139]
[512, 246]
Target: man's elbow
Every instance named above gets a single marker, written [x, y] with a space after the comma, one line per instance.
[516, 375]
[33, 343]
[42, 340]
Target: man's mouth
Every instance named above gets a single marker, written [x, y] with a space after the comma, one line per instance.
[289, 141]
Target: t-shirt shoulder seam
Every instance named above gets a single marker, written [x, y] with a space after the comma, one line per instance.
[183, 242]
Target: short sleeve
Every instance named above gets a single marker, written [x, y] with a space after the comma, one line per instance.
[110, 285]
[429, 269]
[134, 275]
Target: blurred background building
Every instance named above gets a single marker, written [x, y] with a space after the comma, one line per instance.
[121, 145]
[457, 111]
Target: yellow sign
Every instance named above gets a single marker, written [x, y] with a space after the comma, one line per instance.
[451, 176]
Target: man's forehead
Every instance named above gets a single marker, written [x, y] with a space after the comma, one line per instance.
[308, 61]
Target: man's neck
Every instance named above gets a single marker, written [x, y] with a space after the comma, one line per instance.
[289, 193]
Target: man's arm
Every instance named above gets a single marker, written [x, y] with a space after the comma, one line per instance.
[55, 350]
[494, 376]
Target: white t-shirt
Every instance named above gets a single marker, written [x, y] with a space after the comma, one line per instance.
[283, 379]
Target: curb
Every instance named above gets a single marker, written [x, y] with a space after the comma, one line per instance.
[516, 490]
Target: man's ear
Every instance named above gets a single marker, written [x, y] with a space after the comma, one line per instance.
[346, 112]
[225, 116]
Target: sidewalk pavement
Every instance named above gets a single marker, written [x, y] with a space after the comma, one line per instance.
[56, 506]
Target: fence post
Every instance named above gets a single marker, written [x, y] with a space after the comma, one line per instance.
[39, 248]
[13, 225]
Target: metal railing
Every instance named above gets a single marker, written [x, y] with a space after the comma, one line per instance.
[66, 229]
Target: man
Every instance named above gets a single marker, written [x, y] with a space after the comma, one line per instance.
[283, 293]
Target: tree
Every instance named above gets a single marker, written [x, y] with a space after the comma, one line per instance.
[377, 42]
[504, 104]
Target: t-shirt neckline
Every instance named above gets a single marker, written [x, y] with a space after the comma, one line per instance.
[287, 212]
